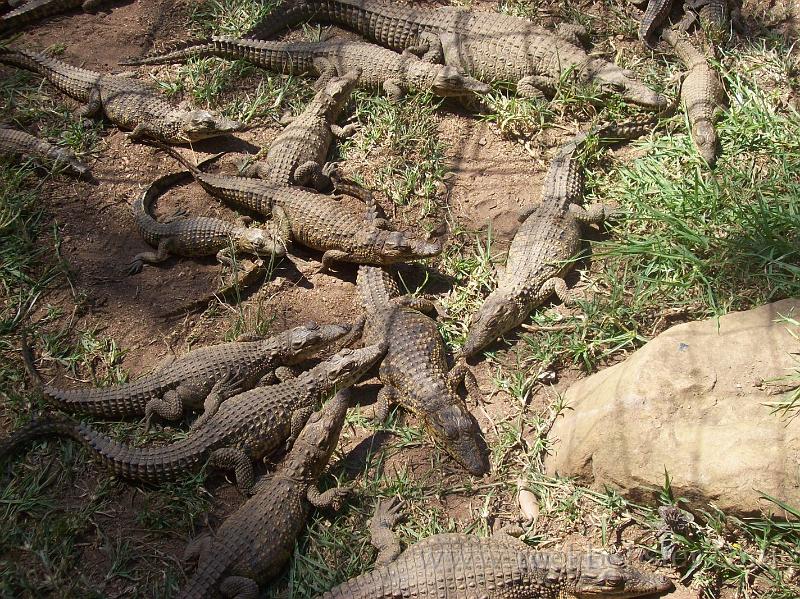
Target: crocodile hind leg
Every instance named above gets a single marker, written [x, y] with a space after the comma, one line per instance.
[535, 86]
[225, 388]
[170, 406]
[239, 587]
[394, 90]
[592, 214]
[429, 48]
[93, 106]
[461, 373]
[137, 264]
[387, 514]
[311, 174]
[196, 550]
[558, 286]
[233, 458]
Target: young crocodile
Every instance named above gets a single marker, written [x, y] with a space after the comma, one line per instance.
[186, 382]
[202, 236]
[541, 251]
[127, 103]
[414, 370]
[715, 17]
[489, 46]
[247, 427]
[380, 68]
[253, 544]
[16, 142]
[702, 95]
[318, 221]
[297, 156]
[32, 11]
[497, 567]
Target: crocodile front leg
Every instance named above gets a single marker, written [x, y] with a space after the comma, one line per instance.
[231, 384]
[558, 286]
[326, 70]
[197, 550]
[535, 86]
[429, 48]
[393, 89]
[170, 406]
[386, 397]
[592, 214]
[239, 587]
[233, 458]
[94, 104]
[331, 499]
[387, 514]
[343, 132]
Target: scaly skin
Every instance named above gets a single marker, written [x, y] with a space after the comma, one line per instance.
[186, 382]
[16, 142]
[297, 156]
[654, 15]
[414, 371]
[702, 95]
[202, 236]
[549, 236]
[253, 544]
[498, 567]
[127, 103]
[491, 47]
[380, 68]
[317, 221]
[36, 10]
[247, 427]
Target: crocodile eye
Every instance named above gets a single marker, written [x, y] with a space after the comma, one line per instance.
[613, 580]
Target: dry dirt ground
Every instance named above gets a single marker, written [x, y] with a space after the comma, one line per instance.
[165, 309]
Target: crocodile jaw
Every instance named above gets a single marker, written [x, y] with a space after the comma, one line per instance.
[610, 76]
[201, 124]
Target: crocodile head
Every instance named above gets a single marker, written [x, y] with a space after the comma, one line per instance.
[346, 367]
[705, 138]
[303, 342]
[498, 314]
[258, 241]
[612, 78]
[334, 95]
[604, 576]
[449, 81]
[195, 125]
[457, 431]
[397, 246]
[316, 442]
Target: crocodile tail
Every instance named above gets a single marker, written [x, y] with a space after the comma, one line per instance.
[178, 52]
[55, 425]
[282, 18]
[142, 205]
[30, 367]
[21, 59]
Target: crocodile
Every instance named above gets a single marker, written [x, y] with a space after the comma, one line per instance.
[17, 142]
[297, 156]
[318, 221]
[127, 103]
[500, 566]
[247, 427]
[202, 236]
[255, 542]
[654, 16]
[186, 382]
[548, 238]
[489, 46]
[380, 68]
[702, 95]
[414, 371]
[32, 11]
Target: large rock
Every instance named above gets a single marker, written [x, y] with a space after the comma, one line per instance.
[692, 402]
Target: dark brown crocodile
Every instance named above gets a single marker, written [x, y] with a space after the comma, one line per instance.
[21, 143]
[202, 236]
[702, 94]
[253, 544]
[380, 68]
[186, 382]
[297, 156]
[545, 244]
[247, 427]
[497, 567]
[127, 103]
[26, 13]
[318, 221]
[491, 47]
[414, 371]
[654, 16]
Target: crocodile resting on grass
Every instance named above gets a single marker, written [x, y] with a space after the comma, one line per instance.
[32, 11]
[186, 382]
[318, 221]
[202, 236]
[542, 249]
[715, 17]
[127, 103]
[414, 371]
[297, 156]
[253, 544]
[702, 94]
[380, 68]
[491, 47]
[17, 142]
[497, 567]
[246, 427]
